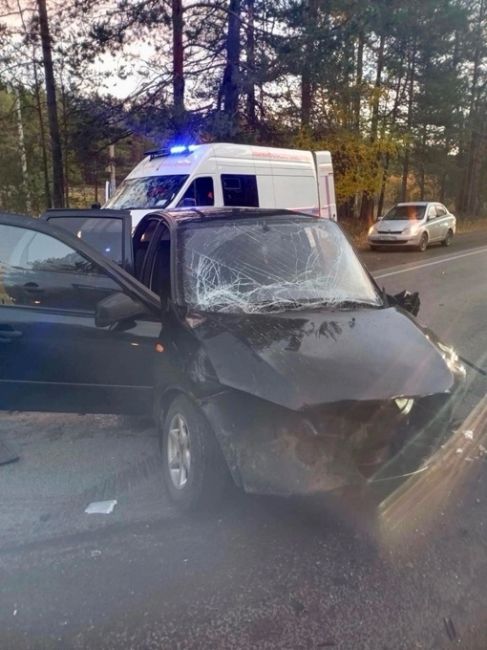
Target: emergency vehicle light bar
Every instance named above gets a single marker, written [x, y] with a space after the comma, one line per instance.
[171, 151]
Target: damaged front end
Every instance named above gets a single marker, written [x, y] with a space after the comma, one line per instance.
[320, 383]
[273, 450]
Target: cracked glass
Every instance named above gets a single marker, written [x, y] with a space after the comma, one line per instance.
[257, 265]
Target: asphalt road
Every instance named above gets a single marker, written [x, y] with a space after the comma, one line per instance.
[260, 572]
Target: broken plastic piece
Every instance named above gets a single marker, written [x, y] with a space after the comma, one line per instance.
[101, 507]
[7, 455]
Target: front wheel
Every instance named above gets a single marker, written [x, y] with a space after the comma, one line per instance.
[195, 472]
[423, 243]
[448, 239]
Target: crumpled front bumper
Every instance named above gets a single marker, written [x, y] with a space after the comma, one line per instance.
[273, 450]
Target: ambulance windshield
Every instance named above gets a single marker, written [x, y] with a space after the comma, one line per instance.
[148, 192]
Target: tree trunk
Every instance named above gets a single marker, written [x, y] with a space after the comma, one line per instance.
[468, 192]
[66, 145]
[231, 83]
[405, 168]
[367, 204]
[387, 162]
[358, 81]
[307, 86]
[250, 47]
[57, 153]
[377, 89]
[22, 152]
[385, 173]
[178, 63]
[42, 133]
[422, 170]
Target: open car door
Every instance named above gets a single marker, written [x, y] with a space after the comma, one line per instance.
[109, 232]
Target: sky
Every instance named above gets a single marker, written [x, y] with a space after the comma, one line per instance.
[132, 57]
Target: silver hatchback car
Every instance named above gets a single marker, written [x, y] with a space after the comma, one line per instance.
[413, 224]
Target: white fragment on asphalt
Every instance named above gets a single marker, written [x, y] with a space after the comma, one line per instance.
[15, 612]
[95, 553]
[459, 451]
[468, 434]
[101, 507]
[483, 449]
[470, 460]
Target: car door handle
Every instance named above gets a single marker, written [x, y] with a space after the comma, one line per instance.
[33, 287]
[84, 287]
[8, 334]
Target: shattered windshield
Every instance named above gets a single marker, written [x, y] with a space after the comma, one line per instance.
[149, 192]
[405, 213]
[260, 265]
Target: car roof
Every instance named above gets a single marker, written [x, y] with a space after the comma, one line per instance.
[421, 203]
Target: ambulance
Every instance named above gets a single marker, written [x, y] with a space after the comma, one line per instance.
[228, 175]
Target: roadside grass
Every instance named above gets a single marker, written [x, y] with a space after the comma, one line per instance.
[357, 230]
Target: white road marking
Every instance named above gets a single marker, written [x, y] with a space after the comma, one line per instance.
[423, 265]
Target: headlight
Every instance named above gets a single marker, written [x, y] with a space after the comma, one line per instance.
[452, 359]
[371, 230]
[411, 230]
[404, 405]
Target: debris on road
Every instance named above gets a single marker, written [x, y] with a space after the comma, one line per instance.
[101, 507]
[450, 629]
[7, 455]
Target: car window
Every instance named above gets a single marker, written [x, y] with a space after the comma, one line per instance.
[39, 270]
[159, 275]
[240, 190]
[432, 212]
[199, 193]
[405, 213]
[105, 235]
[142, 237]
[440, 211]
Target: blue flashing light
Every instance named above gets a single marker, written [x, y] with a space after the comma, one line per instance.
[180, 148]
[192, 147]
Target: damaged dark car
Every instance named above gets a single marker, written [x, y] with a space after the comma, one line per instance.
[260, 343]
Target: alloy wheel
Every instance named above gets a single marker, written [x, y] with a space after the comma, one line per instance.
[179, 451]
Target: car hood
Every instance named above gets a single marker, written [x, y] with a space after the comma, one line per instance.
[396, 226]
[302, 359]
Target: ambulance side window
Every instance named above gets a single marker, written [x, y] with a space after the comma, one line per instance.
[240, 190]
[199, 193]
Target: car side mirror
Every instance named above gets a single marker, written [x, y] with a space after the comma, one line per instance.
[117, 308]
[408, 301]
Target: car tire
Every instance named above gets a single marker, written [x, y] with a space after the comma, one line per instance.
[423, 243]
[194, 469]
[448, 239]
